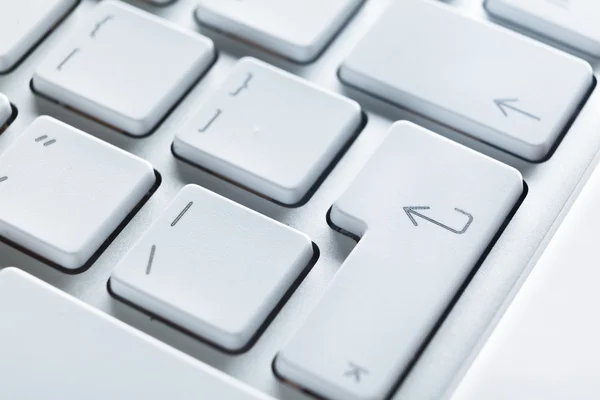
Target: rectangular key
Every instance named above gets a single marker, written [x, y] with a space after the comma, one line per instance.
[54, 346]
[244, 134]
[298, 30]
[23, 23]
[489, 82]
[63, 192]
[573, 22]
[213, 267]
[426, 209]
[5, 110]
[125, 67]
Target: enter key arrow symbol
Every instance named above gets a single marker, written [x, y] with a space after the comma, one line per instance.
[504, 104]
[413, 212]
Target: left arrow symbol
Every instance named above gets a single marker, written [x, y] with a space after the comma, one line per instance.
[2, 179]
[504, 104]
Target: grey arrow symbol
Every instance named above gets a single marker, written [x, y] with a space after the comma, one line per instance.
[503, 104]
[3, 178]
[411, 212]
[356, 371]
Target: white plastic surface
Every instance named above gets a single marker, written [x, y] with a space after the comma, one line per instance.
[213, 267]
[5, 109]
[550, 184]
[546, 344]
[572, 22]
[295, 29]
[25, 22]
[63, 192]
[54, 346]
[491, 83]
[426, 209]
[124, 67]
[269, 131]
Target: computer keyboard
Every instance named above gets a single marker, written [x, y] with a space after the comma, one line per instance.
[197, 173]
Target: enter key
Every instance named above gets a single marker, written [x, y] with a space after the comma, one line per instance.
[426, 209]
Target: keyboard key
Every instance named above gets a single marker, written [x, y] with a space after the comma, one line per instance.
[568, 21]
[244, 134]
[426, 209]
[63, 192]
[124, 67]
[298, 30]
[223, 289]
[23, 23]
[54, 346]
[5, 110]
[477, 77]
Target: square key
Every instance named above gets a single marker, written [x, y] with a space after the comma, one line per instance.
[64, 192]
[269, 131]
[298, 30]
[213, 267]
[124, 67]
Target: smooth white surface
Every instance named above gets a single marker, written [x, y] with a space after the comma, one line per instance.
[23, 23]
[54, 346]
[213, 267]
[5, 109]
[269, 131]
[474, 76]
[124, 67]
[572, 22]
[550, 185]
[546, 344]
[397, 282]
[63, 199]
[295, 29]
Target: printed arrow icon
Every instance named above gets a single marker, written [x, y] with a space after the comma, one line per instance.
[412, 213]
[504, 104]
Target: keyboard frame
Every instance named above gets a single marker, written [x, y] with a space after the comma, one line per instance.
[552, 186]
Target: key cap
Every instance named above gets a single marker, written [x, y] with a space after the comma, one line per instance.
[5, 110]
[245, 134]
[23, 23]
[63, 192]
[474, 76]
[298, 30]
[546, 346]
[224, 289]
[426, 209]
[124, 67]
[54, 346]
[568, 21]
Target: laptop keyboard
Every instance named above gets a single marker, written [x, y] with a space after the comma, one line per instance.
[201, 170]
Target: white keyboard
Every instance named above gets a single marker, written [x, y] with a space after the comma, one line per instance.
[277, 199]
